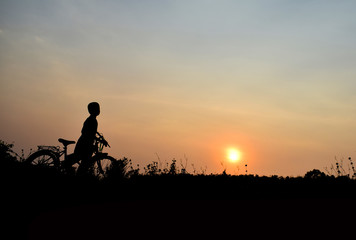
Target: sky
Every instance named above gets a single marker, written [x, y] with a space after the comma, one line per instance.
[185, 80]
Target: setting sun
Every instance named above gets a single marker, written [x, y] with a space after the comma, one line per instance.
[233, 155]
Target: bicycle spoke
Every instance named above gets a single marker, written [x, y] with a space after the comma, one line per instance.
[44, 160]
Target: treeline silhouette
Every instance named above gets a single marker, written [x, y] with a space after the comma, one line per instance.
[29, 191]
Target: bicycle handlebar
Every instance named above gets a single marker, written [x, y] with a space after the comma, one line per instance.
[102, 140]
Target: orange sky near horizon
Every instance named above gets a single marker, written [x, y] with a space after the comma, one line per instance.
[185, 80]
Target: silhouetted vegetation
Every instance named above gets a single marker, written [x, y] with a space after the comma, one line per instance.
[32, 189]
[340, 168]
[159, 180]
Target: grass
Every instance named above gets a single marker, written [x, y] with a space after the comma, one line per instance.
[158, 180]
[44, 200]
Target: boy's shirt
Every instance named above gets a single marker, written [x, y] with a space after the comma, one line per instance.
[90, 128]
[86, 140]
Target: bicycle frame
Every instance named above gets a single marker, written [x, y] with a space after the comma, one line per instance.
[52, 156]
[99, 143]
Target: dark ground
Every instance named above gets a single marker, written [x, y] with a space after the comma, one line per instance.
[41, 203]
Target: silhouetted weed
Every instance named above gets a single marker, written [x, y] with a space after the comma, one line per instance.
[338, 169]
[169, 181]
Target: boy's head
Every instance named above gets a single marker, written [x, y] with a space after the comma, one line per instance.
[94, 108]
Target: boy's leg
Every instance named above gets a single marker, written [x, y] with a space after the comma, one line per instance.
[85, 164]
[69, 162]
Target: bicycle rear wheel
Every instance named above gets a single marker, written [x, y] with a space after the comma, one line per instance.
[101, 165]
[45, 158]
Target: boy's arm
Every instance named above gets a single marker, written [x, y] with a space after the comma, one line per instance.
[101, 139]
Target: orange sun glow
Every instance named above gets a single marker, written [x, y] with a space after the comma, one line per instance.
[233, 154]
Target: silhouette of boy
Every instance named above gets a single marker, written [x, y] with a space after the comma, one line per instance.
[85, 148]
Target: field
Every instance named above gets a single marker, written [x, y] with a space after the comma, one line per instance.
[42, 203]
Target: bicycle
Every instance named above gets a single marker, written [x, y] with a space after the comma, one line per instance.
[50, 156]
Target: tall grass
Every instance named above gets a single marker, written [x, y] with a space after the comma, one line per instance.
[340, 168]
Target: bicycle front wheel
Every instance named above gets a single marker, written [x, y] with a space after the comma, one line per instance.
[45, 158]
[101, 165]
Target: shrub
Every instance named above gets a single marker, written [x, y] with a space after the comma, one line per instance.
[315, 174]
[6, 153]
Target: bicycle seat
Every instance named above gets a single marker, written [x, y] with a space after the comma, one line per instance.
[65, 142]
